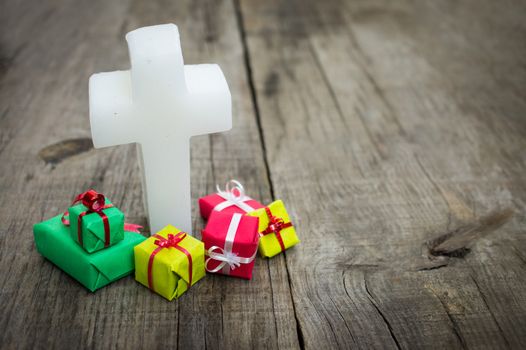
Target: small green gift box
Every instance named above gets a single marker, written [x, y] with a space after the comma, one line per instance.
[95, 270]
[95, 223]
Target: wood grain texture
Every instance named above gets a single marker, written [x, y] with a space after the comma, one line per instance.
[382, 125]
[386, 124]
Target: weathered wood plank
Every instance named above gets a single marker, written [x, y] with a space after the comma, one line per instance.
[386, 124]
[49, 50]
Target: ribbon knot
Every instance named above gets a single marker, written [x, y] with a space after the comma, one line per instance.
[232, 259]
[276, 224]
[234, 194]
[171, 241]
[93, 200]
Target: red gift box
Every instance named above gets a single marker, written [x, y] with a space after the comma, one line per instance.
[231, 244]
[232, 200]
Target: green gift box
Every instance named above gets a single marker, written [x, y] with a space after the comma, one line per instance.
[96, 234]
[95, 270]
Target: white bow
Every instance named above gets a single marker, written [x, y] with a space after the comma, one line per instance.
[234, 194]
[227, 258]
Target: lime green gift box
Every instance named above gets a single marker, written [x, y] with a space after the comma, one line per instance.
[93, 235]
[169, 262]
[95, 270]
[276, 231]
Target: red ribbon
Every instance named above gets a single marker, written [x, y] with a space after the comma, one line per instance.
[275, 225]
[171, 242]
[132, 227]
[95, 202]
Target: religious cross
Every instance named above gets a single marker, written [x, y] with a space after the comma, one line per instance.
[159, 104]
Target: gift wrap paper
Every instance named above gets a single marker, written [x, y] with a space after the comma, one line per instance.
[170, 266]
[208, 203]
[93, 236]
[269, 245]
[245, 242]
[95, 270]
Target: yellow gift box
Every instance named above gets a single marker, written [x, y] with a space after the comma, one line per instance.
[169, 262]
[276, 231]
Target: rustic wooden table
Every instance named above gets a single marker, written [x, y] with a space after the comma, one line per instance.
[394, 131]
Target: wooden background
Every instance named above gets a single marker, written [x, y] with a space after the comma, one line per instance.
[395, 132]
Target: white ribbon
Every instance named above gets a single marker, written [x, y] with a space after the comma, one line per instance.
[234, 194]
[229, 260]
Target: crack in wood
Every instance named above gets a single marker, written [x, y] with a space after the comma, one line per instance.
[483, 297]
[343, 319]
[299, 331]
[252, 87]
[253, 94]
[454, 325]
[328, 322]
[384, 318]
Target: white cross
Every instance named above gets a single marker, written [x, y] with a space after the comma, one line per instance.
[160, 103]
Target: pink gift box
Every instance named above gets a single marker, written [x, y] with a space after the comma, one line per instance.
[232, 200]
[231, 244]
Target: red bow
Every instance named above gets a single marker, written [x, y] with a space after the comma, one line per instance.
[275, 225]
[93, 200]
[172, 241]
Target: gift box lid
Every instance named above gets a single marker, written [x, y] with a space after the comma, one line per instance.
[217, 227]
